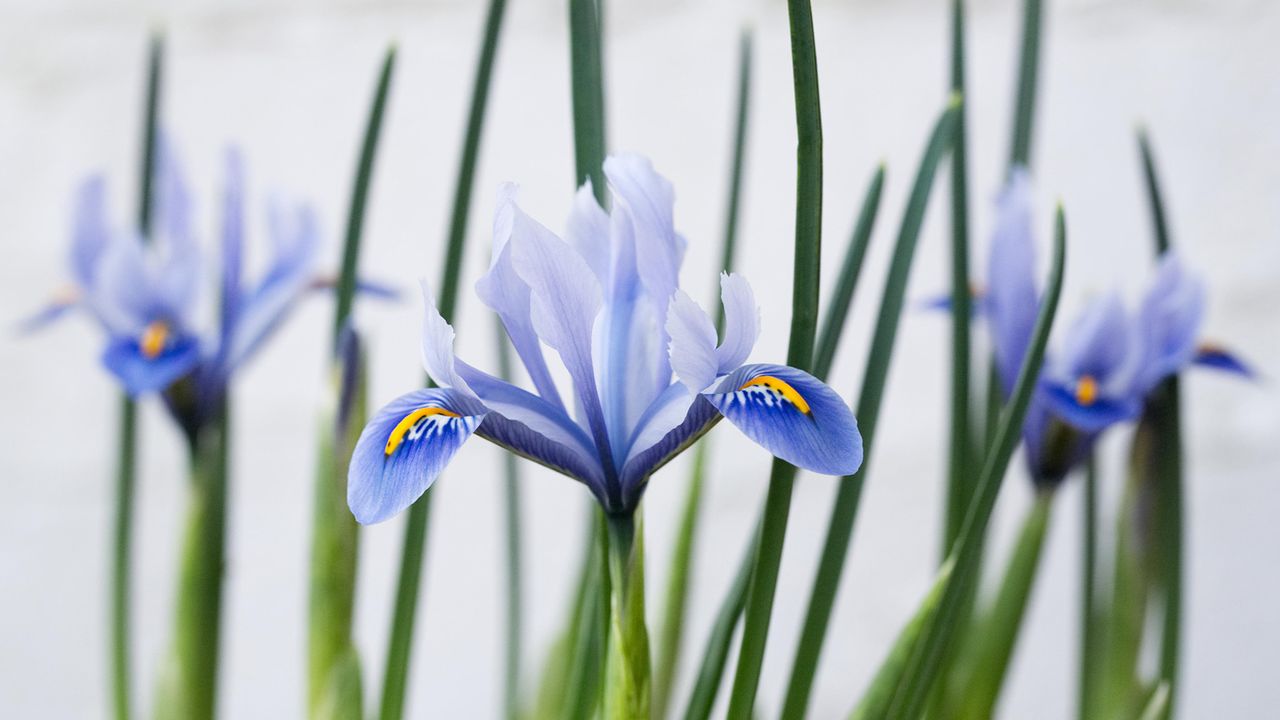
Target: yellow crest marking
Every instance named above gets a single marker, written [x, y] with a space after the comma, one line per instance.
[782, 388]
[406, 424]
[153, 339]
[1086, 390]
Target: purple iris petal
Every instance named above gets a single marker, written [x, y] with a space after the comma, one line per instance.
[1012, 298]
[1219, 358]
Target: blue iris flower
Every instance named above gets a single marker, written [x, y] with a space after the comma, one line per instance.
[144, 294]
[1107, 363]
[648, 377]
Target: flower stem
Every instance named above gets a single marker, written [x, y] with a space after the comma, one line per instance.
[189, 689]
[125, 481]
[511, 520]
[627, 697]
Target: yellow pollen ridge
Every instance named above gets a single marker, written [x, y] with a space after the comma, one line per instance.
[402, 428]
[153, 339]
[781, 387]
[1087, 390]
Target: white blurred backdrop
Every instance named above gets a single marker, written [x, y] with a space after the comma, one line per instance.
[289, 83]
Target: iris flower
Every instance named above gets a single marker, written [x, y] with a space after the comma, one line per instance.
[648, 377]
[1107, 363]
[144, 292]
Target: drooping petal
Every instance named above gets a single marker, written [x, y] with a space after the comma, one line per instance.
[1013, 300]
[437, 346]
[741, 322]
[693, 343]
[793, 415]
[143, 371]
[507, 294]
[1217, 357]
[1170, 322]
[50, 312]
[404, 447]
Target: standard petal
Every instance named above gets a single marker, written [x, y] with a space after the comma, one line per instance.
[295, 241]
[140, 373]
[232, 244]
[588, 232]
[1098, 350]
[565, 300]
[1012, 297]
[404, 447]
[122, 295]
[90, 233]
[507, 294]
[741, 322]
[437, 346]
[793, 415]
[1170, 322]
[693, 343]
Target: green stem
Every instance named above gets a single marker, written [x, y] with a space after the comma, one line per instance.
[404, 614]
[591, 631]
[188, 691]
[627, 697]
[844, 509]
[804, 319]
[334, 683]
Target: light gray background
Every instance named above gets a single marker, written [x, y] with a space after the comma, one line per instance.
[289, 82]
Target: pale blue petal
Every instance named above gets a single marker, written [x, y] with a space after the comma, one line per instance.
[507, 294]
[437, 346]
[1013, 301]
[565, 300]
[232, 246]
[699, 417]
[1095, 416]
[825, 439]
[91, 231]
[1170, 322]
[1100, 345]
[693, 343]
[741, 322]
[381, 484]
[122, 295]
[295, 241]
[588, 232]
[172, 205]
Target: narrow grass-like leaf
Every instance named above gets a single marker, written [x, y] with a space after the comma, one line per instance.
[1120, 693]
[126, 453]
[837, 308]
[844, 508]
[346, 289]
[717, 649]
[400, 639]
[512, 523]
[879, 693]
[667, 661]
[992, 641]
[1090, 623]
[1165, 416]
[926, 660]
[1028, 71]
[960, 466]
[587, 76]
[804, 320]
